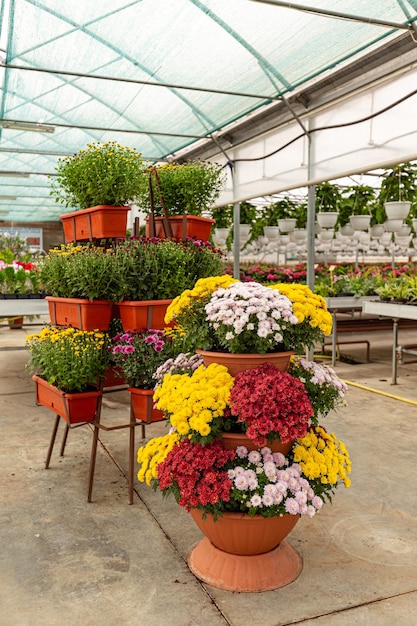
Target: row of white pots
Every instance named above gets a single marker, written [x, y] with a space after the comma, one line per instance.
[396, 212]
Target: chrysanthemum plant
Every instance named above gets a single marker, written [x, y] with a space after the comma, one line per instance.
[264, 403]
[228, 315]
[70, 359]
[139, 354]
[100, 174]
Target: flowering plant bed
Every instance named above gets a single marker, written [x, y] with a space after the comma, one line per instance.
[20, 279]
[192, 463]
[212, 477]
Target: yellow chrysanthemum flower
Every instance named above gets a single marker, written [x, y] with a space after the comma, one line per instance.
[321, 456]
[193, 401]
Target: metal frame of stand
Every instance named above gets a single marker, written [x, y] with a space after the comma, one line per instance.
[97, 426]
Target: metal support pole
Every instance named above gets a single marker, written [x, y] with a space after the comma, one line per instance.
[334, 338]
[394, 351]
[236, 225]
[311, 219]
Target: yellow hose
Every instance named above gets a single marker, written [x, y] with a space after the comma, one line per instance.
[382, 393]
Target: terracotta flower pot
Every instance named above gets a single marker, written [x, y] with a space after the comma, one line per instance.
[138, 314]
[240, 362]
[80, 313]
[15, 323]
[98, 222]
[232, 440]
[183, 226]
[243, 553]
[142, 406]
[74, 408]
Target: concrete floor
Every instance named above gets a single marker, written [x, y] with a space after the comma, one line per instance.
[67, 562]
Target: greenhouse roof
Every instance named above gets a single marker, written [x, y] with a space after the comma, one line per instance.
[179, 79]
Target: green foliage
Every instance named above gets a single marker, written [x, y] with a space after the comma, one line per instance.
[223, 216]
[328, 197]
[187, 188]
[399, 183]
[286, 208]
[134, 269]
[12, 247]
[108, 174]
[153, 269]
[402, 289]
[75, 271]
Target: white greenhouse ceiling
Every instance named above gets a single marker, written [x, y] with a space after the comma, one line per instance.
[285, 92]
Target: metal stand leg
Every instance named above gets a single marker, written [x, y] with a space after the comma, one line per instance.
[131, 455]
[94, 450]
[334, 336]
[394, 351]
[64, 440]
[52, 441]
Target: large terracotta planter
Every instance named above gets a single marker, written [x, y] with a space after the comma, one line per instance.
[75, 408]
[183, 226]
[143, 406]
[97, 222]
[232, 440]
[138, 314]
[243, 553]
[241, 362]
[80, 313]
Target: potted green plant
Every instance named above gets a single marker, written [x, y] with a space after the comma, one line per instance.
[137, 355]
[139, 274]
[68, 365]
[398, 191]
[154, 271]
[328, 202]
[356, 206]
[175, 197]
[99, 182]
[83, 283]
[282, 212]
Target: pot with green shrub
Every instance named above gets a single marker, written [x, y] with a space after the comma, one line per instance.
[176, 197]
[154, 271]
[99, 182]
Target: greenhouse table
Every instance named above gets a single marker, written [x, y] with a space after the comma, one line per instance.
[395, 312]
[342, 305]
[21, 306]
